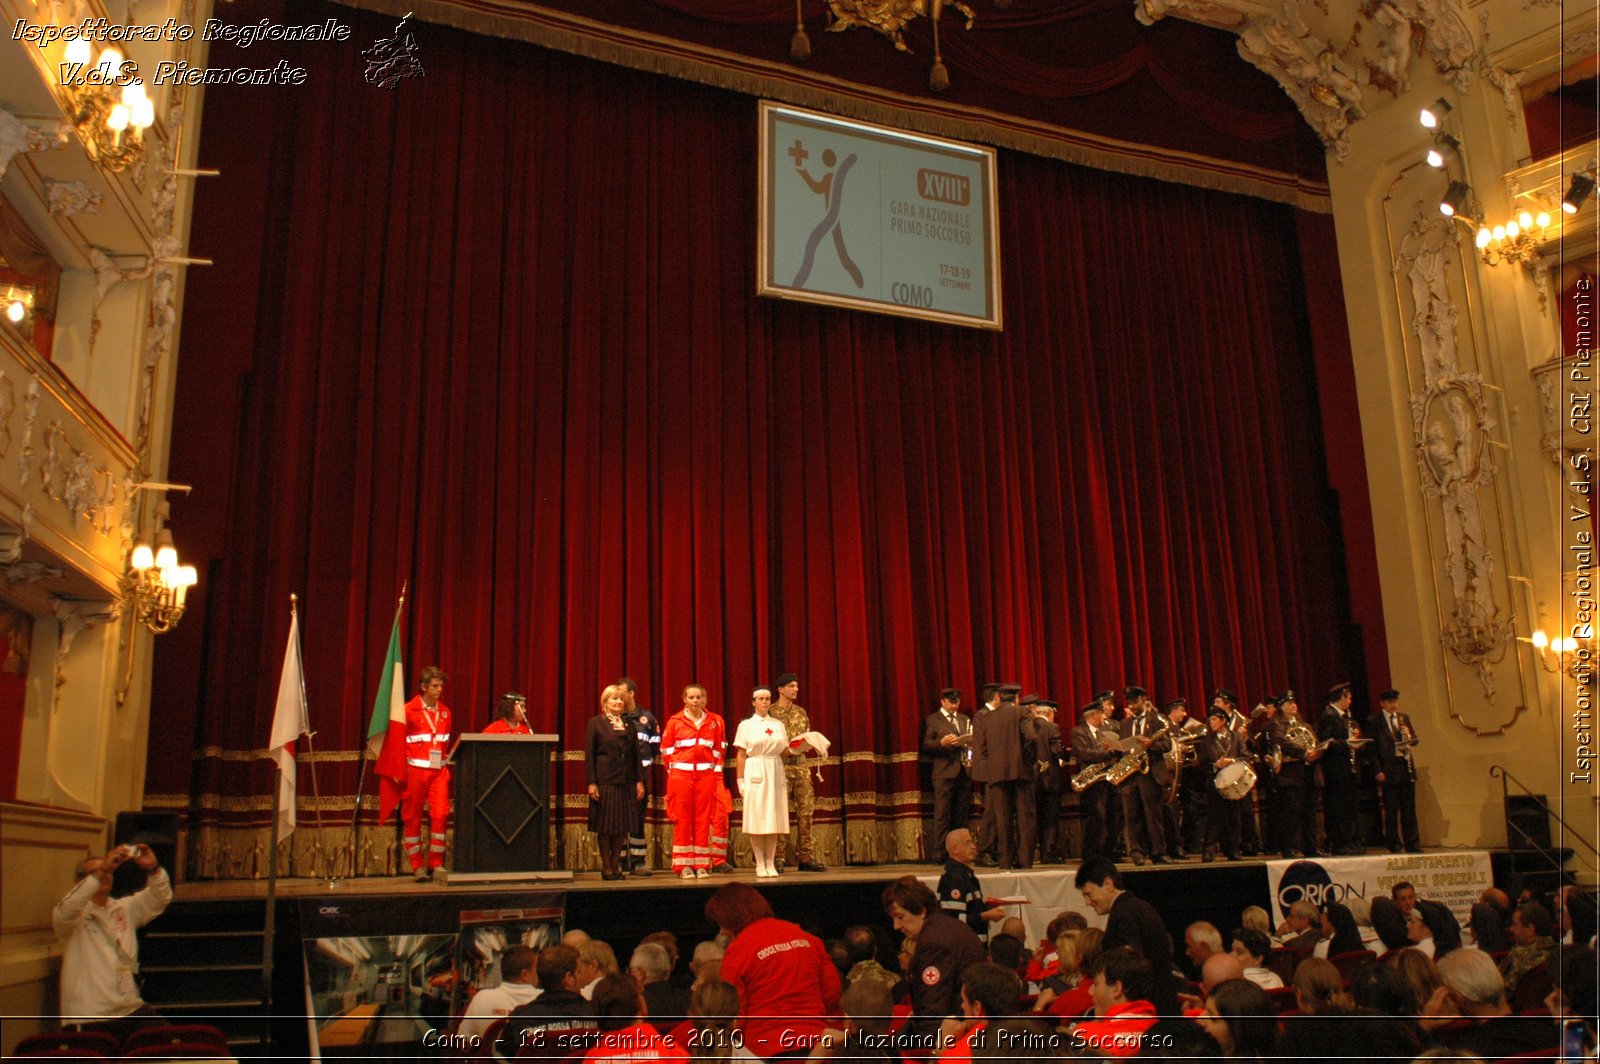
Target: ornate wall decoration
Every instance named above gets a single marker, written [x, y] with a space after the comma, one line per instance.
[69, 476]
[1450, 435]
[30, 411]
[17, 137]
[8, 406]
[20, 574]
[888, 17]
[160, 329]
[1308, 68]
[67, 198]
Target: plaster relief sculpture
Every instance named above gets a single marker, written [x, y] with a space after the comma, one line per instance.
[1306, 67]
[888, 17]
[67, 198]
[17, 137]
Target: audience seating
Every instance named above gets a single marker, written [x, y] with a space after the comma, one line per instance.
[178, 1051]
[1352, 961]
[1281, 962]
[1283, 999]
[98, 1042]
[172, 1034]
[1532, 989]
[58, 1054]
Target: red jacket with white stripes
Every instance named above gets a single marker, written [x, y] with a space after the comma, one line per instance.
[687, 747]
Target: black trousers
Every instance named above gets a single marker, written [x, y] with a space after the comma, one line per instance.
[1222, 824]
[1047, 803]
[1116, 836]
[1015, 829]
[1141, 807]
[1341, 815]
[986, 822]
[1400, 812]
[1286, 812]
[952, 808]
[1093, 805]
[1170, 828]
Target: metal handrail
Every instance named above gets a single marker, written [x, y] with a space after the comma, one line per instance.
[1505, 794]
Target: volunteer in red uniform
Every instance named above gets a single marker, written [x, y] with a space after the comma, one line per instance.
[692, 746]
[510, 716]
[427, 780]
[786, 981]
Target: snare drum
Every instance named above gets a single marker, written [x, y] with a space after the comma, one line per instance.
[1235, 781]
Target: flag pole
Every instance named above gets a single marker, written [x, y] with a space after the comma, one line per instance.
[366, 756]
[319, 849]
[269, 926]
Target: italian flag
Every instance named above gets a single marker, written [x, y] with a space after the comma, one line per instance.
[386, 735]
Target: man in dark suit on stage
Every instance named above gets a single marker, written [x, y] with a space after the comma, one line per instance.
[1397, 774]
[1116, 837]
[988, 702]
[1142, 792]
[1004, 762]
[1131, 921]
[947, 743]
[1049, 782]
[1090, 741]
[1341, 812]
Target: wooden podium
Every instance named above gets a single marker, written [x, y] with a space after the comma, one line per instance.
[503, 809]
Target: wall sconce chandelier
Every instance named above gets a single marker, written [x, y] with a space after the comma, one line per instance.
[156, 582]
[1575, 657]
[1518, 240]
[16, 306]
[109, 108]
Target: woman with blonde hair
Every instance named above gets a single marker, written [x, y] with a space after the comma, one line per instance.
[1077, 950]
[1420, 975]
[713, 1007]
[612, 749]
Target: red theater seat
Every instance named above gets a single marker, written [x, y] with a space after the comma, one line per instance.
[172, 1034]
[1352, 961]
[98, 1042]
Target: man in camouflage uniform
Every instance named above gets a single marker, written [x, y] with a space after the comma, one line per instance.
[802, 799]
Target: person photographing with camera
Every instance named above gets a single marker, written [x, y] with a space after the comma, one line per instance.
[99, 950]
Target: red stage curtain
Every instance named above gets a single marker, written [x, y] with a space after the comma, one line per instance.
[493, 333]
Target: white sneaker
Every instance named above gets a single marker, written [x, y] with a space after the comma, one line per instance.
[702, 873]
[685, 873]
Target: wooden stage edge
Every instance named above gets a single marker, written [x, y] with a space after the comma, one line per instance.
[661, 879]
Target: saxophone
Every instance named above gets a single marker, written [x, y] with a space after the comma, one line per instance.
[1135, 761]
[1088, 776]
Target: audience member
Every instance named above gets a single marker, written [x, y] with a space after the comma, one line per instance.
[865, 1035]
[1330, 1025]
[669, 942]
[960, 893]
[1490, 916]
[1219, 968]
[1339, 931]
[651, 969]
[99, 948]
[1122, 983]
[1077, 951]
[861, 946]
[574, 938]
[1380, 988]
[1178, 1040]
[1250, 949]
[596, 960]
[1390, 923]
[1006, 952]
[1473, 989]
[518, 979]
[1256, 919]
[988, 990]
[1442, 926]
[1532, 943]
[713, 1008]
[1301, 929]
[1020, 1037]
[784, 993]
[1419, 974]
[1574, 994]
[1200, 940]
[619, 1009]
[706, 963]
[945, 947]
[1045, 962]
[1240, 1016]
[1131, 921]
[559, 1019]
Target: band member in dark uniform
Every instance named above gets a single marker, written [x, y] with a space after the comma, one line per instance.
[1341, 812]
[1050, 779]
[1249, 833]
[947, 744]
[1091, 745]
[1219, 749]
[1004, 758]
[1309, 773]
[1397, 774]
[988, 702]
[1142, 792]
[1262, 745]
[1182, 808]
[647, 726]
[1116, 837]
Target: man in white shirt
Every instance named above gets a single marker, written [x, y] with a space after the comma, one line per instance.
[517, 987]
[99, 950]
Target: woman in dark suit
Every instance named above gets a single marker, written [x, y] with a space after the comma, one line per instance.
[614, 783]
